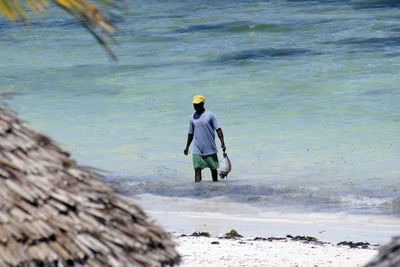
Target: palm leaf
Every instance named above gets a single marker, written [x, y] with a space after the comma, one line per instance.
[88, 14]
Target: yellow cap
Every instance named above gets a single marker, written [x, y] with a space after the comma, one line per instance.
[197, 99]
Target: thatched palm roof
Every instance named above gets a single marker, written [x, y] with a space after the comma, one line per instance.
[54, 213]
[389, 255]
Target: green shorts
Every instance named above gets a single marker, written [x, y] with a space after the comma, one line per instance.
[201, 162]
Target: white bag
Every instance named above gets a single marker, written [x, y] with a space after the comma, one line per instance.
[225, 166]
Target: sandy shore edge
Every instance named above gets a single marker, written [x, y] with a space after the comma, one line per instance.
[186, 215]
[202, 249]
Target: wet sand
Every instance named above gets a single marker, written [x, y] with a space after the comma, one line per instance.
[192, 215]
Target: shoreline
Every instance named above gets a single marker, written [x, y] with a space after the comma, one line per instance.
[338, 228]
[202, 249]
[181, 215]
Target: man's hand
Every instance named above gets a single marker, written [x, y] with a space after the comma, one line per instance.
[221, 138]
[189, 141]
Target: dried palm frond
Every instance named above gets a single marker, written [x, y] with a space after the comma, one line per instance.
[388, 256]
[88, 14]
[55, 213]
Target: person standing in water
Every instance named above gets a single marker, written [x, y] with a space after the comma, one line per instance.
[202, 127]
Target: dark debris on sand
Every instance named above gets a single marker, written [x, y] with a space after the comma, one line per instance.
[203, 234]
[232, 234]
[302, 238]
[197, 234]
[306, 239]
[270, 239]
[352, 244]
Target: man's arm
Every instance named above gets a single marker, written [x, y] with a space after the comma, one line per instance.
[189, 141]
[221, 138]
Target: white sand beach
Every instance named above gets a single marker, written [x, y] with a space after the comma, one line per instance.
[213, 251]
[328, 229]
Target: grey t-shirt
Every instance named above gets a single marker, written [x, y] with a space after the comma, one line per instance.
[203, 129]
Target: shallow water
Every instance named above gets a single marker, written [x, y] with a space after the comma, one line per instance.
[307, 93]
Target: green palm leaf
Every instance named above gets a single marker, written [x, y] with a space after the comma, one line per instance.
[88, 14]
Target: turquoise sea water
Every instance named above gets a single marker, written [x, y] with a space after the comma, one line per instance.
[307, 93]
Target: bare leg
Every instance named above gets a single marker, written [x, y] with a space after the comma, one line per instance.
[214, 175]
[197, 176]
